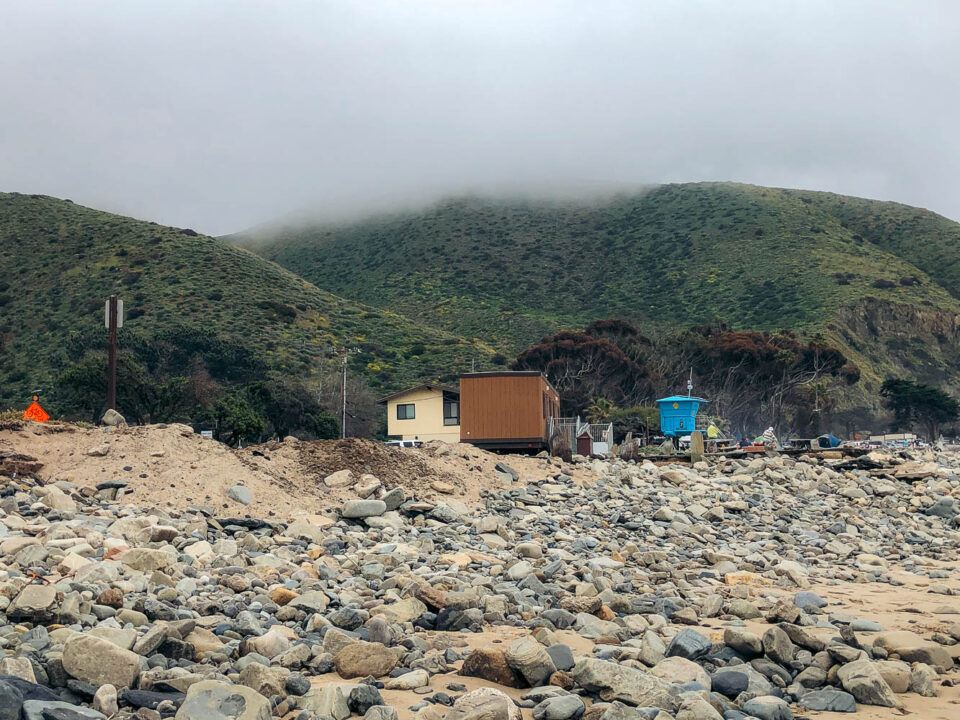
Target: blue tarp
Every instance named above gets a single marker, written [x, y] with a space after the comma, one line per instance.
[830, 441]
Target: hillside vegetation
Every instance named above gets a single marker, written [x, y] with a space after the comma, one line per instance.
[759, 258]
[59, 261]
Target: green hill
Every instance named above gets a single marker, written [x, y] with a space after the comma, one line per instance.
[59, 261]
[881, 278]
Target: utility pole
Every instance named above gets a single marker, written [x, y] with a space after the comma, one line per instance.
[343, 391]
[113, 319]
[343, 395]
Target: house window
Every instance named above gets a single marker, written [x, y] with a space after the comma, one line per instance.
[406, 411]
[451, 412]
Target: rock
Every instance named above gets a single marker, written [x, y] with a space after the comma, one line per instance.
[489, 664]
[37, 603]
[100, 450]
[341, 478]
[240, 494]
[619, 682]
[530, 660]
[745, 643]
[403, 611]
[265, 680]
[680, 670]
[411, 680]
[562, 656]
[828, 700]
[326, 702]
[768, 707]
[363, 697]
[895, 673]
[484, 704]
[862, 679]
[582, 604]
[913, 648]
[381, 712]
[40, 710]
[100, 662]
[105, 700]
[112, 418]
[563, 707]
[19, 667]
[923, 679]
[945, 507]
[148, 560]
[777, 646]
[358, 509]
[729, 682]
[11, 700]
[363, 659]
[214, 700]
[689, 644]
[806, 600]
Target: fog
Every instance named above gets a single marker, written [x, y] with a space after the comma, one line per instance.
[220, 115]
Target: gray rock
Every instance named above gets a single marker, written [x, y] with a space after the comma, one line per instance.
[529, 658]
[213, 700]
[828, 700]
[862, 679]
[358, 509]
[689, 644]
[11, 699]
[768, 707]
[240, 494]
[561, 655]
[564, 707]
[618, 682]
[42, 710]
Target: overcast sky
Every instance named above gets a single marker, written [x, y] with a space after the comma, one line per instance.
[219, 115]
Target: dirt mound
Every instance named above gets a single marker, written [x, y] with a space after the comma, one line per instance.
[170, 466]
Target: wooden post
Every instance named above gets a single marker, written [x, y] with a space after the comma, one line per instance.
[696, 446]
[112, 353]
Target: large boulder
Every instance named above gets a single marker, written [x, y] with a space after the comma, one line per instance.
[862, 679]
[214, 700]
[529, 658]
[362, 659]
[100, 662]
[828, 700]
[768, 707]
[680, 670]
[618, 682]
[36, 603]
[484, 704]
[490, 664]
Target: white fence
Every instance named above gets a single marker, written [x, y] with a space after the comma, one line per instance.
[571, 428]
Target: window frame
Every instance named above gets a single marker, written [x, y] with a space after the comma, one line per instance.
[413, 411]
[448, 418]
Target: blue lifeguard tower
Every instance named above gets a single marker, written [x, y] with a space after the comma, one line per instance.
[678, 414]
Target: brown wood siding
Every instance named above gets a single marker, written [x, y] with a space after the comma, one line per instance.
[505, 407]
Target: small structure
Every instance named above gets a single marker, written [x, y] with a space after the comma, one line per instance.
[585, 443]
[425, 412]
[678, 414]
[507, 410]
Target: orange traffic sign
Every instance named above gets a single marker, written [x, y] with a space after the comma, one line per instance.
[35, 412]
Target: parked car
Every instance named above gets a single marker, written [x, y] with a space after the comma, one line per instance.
[405, 443]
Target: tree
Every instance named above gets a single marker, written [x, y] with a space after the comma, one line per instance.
[918, 403]
[582, 367]
[600, 411]
[236, 417]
